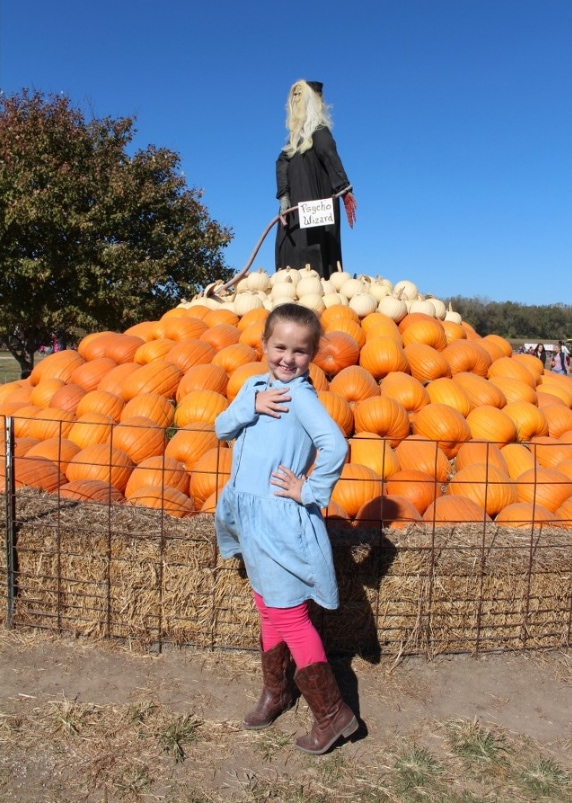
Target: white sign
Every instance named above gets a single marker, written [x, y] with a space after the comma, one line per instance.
[316, 213]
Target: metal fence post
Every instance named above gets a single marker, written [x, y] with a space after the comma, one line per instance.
[10, 521]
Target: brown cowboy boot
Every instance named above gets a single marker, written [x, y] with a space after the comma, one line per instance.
[332, 717]
[277, 691]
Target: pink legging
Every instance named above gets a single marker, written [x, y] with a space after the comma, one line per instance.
[293, 626]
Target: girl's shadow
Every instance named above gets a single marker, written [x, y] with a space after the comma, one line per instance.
[362, 558]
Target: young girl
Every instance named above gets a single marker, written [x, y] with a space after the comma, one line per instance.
[269, 512]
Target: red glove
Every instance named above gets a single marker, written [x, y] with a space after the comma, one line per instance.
[351, 206]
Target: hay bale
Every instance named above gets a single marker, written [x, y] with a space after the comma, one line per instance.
[125, 572]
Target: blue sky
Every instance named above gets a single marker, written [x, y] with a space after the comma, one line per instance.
[453, 119]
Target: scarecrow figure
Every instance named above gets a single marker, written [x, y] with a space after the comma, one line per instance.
[309, 169]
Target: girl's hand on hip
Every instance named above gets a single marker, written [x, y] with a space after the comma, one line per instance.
[271, 402]
[290, 484]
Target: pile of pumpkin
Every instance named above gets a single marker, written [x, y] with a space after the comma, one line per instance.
[442, 425]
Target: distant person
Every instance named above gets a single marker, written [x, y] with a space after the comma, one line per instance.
[558, 362]
[566, 351]
[540, 352]
[309, 169]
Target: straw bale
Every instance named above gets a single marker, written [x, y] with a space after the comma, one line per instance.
[133, 573]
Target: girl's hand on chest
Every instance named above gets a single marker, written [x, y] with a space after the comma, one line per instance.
[272, 402]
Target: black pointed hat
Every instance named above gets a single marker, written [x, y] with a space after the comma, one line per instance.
[317, 86]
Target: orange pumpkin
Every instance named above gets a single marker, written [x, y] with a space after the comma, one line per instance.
[200, 406]
[337, 311]
[484, 483]
[210, 473]
[559, 419]
[113, 381]
[550, 452]
[160, 377]
[100, 401]
[506, 366]
[91, 491]
[239, 376]
[252, 336]
[488, 423]
[371, 450]
[139, 437]
[417, 452]
[405, 389]
[564, 514]
[381, 355]
[150, 405]
[91, 428]
[445, 391]
[501, 343]
[529, 420]
[420, 488]
[172, 501]
[425, 363]
[480, 452]
[449, 510]
[59, 365]
[41, 394]
[442, 424]
[348, 327]
[515, 389]
[384, 416]
[544, 486]
[339, 409]
[518, 459]
[391, 512]
[153, 350]
[467, 355]
[231, 357]
[51, 423]
[376, 324]
[356, 486]
[337, 351]
[428, 331]
[525, 515]
[203, 377]
[354, 383]
[257, 315]
[187, 353]
[479, 390]
[217, 316]
[221, 335]
[37, 472]
[191, 442]
[67, 398]
[159, 471]
[100, 461]
[58, 450]
[183, 328]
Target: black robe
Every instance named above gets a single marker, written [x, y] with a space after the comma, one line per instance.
[310, 176]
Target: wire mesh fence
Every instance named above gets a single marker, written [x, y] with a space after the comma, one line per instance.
[106, 569]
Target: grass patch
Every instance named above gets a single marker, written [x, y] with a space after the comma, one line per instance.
[179, 733]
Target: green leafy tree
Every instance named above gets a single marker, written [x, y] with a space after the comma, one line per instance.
[90, 236]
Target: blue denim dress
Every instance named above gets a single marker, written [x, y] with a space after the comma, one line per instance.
[284, 544]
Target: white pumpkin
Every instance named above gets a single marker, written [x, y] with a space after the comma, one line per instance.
[314, 301]
[283, 289]
[245, 302]
[352, 287]
[285, 275]
[422, 305]
[395, 308]
[309, 285]
[332, 299]
[440, 308]
[259, 280]
[363, 303]
[453, 316]
[338, 278]
[406, 288]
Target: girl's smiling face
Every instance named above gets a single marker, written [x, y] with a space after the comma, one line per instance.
[289, 350]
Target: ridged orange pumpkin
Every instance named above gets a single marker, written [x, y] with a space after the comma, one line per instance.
[258, 315]
[453, 331]
[221, 335]
[91, 428]
[348, 327]
[89, 375]
[239, 376]
[354, 383]
[564, 514]
[160, 377]
[550, 452]
[58, 450]
[153, 350]
[230, 357]
[101, 461]
[67, 398]
[187, 353]
[184, 328]
[518, 459]
[480, 452]
[337, 351]
[37, 472]
[191, 442]
[442, 424]
[501, 342]
[425, 363]
[59, 365]
[318, 377]
[51, 423]
[479, 390]
[214, 317]
[559, 419]
[172, 501]
[139, 437]
[339, 409]
[420, 488]
[445, 391]
[488, 423]
[429, 331]
[209, 474]
[525, 515]
[200, 405]
[391, 512]
[337, 311]
[467, 355]
[376, 324]
[41, 394]
[159, 471]
[384, 416]
[529, 420]
[405, 389]
[203, 377]
[417, 452]
[150, 405]
[252, 336]
[100, 401]
[91, 491]
[113, 381]
[356, 486]
[506, 366]
[486, 485]
[448, 510]
[381, 355]
[515, 389]
[544, 486]
[371, 450]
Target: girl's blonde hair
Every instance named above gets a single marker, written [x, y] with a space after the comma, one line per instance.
[303, 118]
[295, 313]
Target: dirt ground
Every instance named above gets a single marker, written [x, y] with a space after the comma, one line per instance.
[526, 695]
